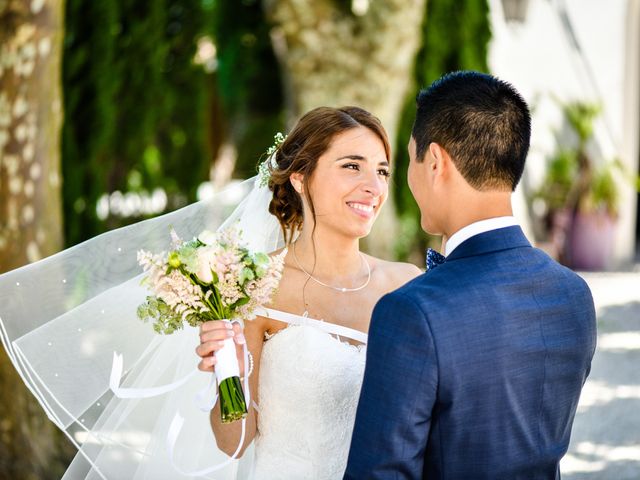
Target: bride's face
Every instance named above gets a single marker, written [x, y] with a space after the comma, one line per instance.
[350, 183]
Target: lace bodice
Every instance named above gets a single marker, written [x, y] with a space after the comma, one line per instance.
[309, 387]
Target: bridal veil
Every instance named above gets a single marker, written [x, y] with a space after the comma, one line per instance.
[63, 318]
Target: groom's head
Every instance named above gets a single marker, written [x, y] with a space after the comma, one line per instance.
[471, 133]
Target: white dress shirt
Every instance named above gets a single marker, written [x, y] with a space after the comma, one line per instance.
[477, 228]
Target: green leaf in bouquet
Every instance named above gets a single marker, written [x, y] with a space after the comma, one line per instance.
[245, 275]
[239, 303]
[188, 255]
[261, 259]
[165, 320]
[143, 311]
[195, 243]
[195, 320]
[260, 271]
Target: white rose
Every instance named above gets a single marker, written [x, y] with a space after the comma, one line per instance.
[207, 237]
[203, 271]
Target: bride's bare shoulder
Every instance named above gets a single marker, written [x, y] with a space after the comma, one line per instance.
[395, 274]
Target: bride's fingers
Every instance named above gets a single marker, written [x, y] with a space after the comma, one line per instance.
[207, 364]
[217, 334]
[206, 349]
[238, 334]
[214, 325]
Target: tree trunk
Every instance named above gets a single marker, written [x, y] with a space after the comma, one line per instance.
[361, 54]
[30, 205]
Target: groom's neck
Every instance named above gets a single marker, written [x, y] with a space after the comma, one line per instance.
[475, 207]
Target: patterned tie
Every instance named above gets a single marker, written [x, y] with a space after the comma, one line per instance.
[434, 259]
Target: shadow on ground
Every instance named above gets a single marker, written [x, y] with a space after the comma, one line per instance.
[605, 442]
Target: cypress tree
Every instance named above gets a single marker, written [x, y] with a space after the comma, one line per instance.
[90, 83]
[135, 105]
[249, 81]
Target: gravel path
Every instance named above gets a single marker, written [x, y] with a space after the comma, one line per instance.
[605, 443]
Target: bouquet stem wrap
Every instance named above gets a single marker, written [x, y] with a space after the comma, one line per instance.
[232, 402]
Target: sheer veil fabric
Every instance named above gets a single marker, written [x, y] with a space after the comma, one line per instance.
[63, 318]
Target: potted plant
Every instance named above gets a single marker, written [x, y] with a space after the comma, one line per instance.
[580, 197]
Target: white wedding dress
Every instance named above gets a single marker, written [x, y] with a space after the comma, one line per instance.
[310, 379]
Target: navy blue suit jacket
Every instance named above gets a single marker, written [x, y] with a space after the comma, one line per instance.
[474, 369]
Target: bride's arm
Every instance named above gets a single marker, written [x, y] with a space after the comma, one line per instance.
[228, 435]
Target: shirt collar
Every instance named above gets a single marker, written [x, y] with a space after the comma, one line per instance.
[477, 228]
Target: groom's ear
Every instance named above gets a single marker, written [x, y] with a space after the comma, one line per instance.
[437, 158]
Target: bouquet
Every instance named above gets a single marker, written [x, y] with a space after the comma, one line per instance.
[212, 277]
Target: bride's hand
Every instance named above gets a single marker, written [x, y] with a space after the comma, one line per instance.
[212, 337]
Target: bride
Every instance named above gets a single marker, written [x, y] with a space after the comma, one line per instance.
[329, 181]
[117, 389]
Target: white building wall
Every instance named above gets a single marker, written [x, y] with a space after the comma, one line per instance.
[538, 57]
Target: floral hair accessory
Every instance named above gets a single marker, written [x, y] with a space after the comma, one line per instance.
[265, 168]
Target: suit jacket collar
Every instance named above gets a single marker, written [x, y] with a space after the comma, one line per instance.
[491, 241]
[476, 228]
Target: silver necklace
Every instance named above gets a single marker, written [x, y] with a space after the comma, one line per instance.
[339, 289]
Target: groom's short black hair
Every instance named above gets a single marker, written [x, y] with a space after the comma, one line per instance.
[482, 122]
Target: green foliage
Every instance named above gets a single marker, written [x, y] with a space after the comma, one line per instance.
[455, 35]
[89, 87]
[135, 104]
[165, 321]
[182, 134]
[249, 80]
[188, 255]
[560, 176]
[581, 117]
[573, 181]
[604, 190]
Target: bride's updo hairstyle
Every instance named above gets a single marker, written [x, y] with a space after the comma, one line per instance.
[299, 153]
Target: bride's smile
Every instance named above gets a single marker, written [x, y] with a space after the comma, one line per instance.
[363, 209]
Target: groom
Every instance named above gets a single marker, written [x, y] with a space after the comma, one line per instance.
[474, 369]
